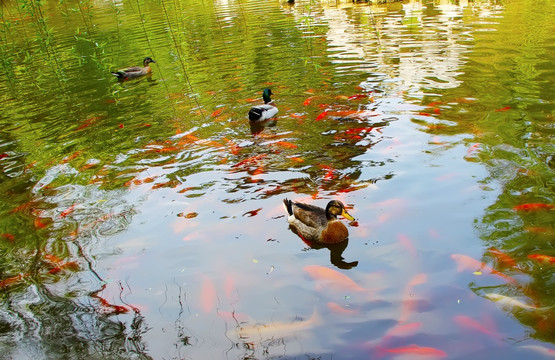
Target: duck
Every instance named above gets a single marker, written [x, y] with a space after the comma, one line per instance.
[135, 71]
[266, 111]
[312, 223]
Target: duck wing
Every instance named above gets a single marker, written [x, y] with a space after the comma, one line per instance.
[310, 215]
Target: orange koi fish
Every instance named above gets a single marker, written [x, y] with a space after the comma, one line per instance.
[402, 330]
[407, 244]
[416, 350]
[408, 303]
[70, 265]
[217, 112]
[533, 207]
[208, 295]
[338, 309]
[308, 100]
[503, 109]
[250, 160]
[8, 237]
[357, 97]
[11, 280]
[465, 262]
[540, 350]
[68, 211]
[296, 159]
[472, 324]
[277, 330]
[358, 130]
[503, 258]
[286, 144]
[542, 258]
[332, 277]
[321, 116]
[472, 148]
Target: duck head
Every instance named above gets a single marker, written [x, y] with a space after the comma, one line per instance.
[266, 96]
[147, 61]
[335, 208]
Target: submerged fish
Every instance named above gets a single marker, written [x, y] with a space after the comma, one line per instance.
[277, 330]
[509, 302]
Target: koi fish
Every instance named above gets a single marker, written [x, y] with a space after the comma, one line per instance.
[297, 116]
[540, 349]
[70, 265]
[11, 280]
[402, 330]
[278, 330]
[248, 160]
[416, 350]
[296, 159]
[332, 277]
[472, 148]
[408, 303]
[358, 130]
[465, 262]
[338, 309]
[208, 295]
[469, 323]
[286, 144]
[70, 157]
[542, 258]
[533, 207]
[503, 109]
[508, 302]
[8, 237]
[321, 115]
[308, 100]
[407, 244]
[68, 211]
[357, 97]
[4, 155]
[217, 112]
[503, 258]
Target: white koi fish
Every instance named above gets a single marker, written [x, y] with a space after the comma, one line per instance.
[509, 303]
[279, 330]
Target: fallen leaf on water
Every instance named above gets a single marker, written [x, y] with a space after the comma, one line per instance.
[188, 215]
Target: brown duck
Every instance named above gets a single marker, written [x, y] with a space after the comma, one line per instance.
[313, 223]
[135, 71]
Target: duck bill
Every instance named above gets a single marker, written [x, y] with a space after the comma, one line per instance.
[347, 216]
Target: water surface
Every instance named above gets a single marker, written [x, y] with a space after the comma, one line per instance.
[144, 219]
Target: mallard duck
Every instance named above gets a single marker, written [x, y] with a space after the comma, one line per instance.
[266, 111]
[135, 71]
[313, 223]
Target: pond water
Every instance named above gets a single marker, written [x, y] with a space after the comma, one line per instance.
[143, 219]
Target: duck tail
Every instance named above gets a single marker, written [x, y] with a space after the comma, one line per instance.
[255, 114]
[288, 205]
[119, 74]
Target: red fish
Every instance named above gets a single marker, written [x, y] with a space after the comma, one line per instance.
[408, 304]
[533, 206]
[416, 350]
[472, 324]
[357, 96]
[407, 244]
[542, 258]
[503, 258]
[472, 149]
[332, 278]
[308, 100]
[68, 211]
[286, 144]
[465, 262]
[321, 116]
[71, 265]
[4, 155]
[8, 237]
[503, 109]
[11, 280]
[250, 160]
[208, 295]
[217, 112]
[424, 113]
[338, 309]
[358, 130]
